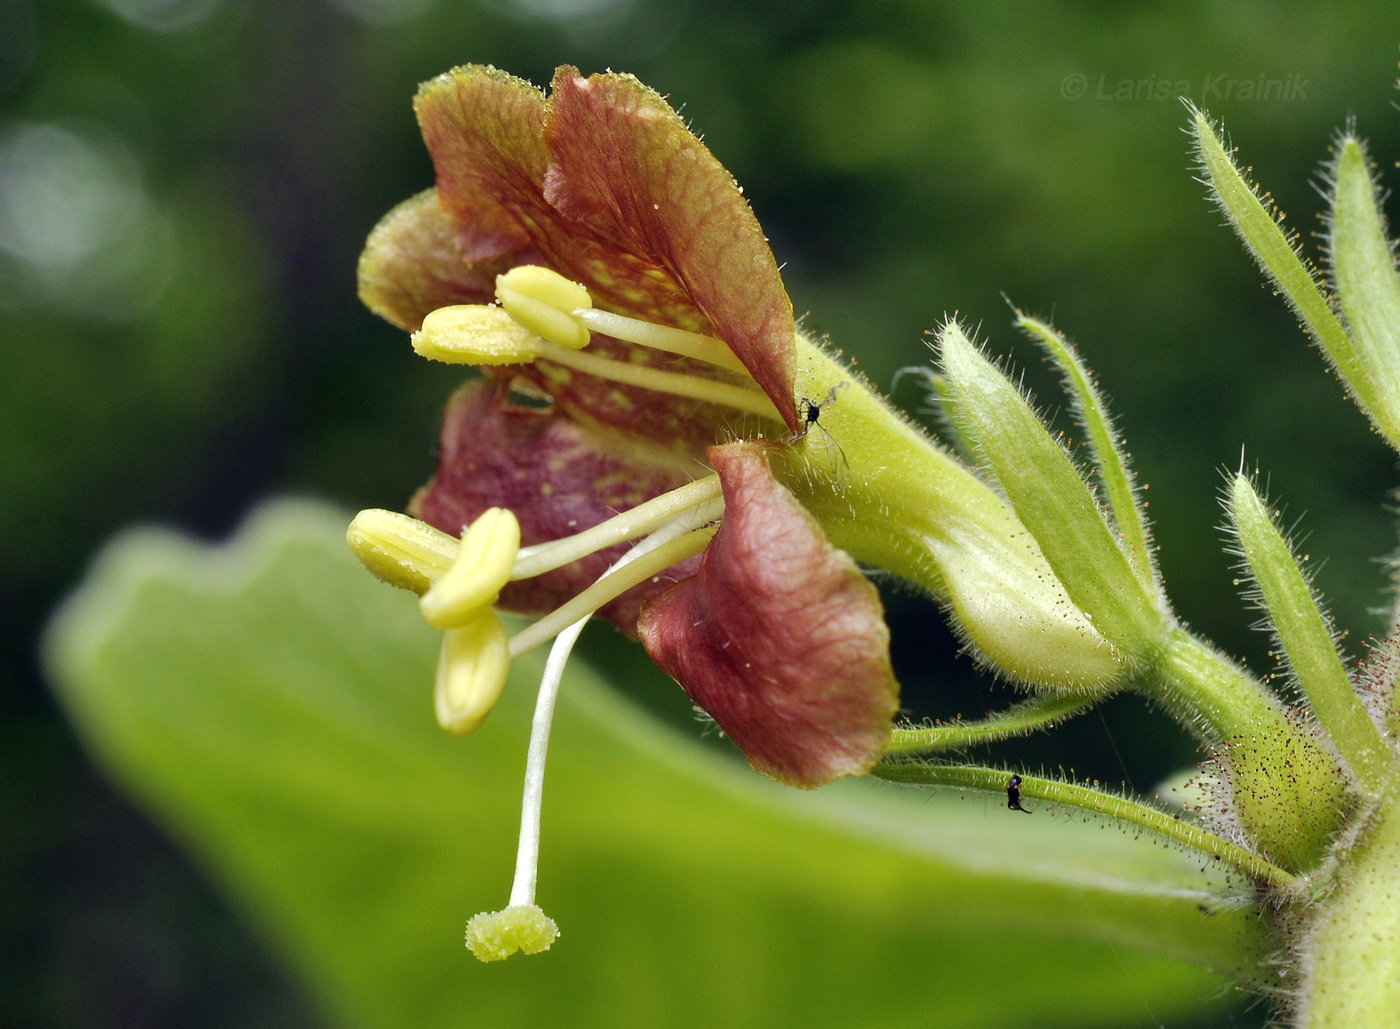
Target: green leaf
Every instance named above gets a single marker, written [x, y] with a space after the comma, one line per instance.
[272, 703]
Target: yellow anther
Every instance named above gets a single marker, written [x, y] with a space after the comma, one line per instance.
[542, 301]
[400, 550]
[475, 334]
[496, 935]
[471, 672]
[484, 562]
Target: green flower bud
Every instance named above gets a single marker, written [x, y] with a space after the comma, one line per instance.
[1050, 497]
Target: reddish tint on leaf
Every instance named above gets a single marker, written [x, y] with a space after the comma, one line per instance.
[778, 637]
[558, 479]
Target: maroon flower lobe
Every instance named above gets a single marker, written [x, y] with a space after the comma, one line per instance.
[778, 637]
[558, 478]
[603, 183]
[412, 265]
[626, 169]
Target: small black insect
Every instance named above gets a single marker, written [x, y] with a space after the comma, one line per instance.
[1013, 794]
[812, 410]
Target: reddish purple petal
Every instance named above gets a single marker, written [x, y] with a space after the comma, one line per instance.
[624, 166]
[779, 637]
[485, 130]
[486, 133]
[558, 479]
[412, 265]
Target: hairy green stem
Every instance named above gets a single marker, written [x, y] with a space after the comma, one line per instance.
[1351, 956]
[995, 780]
[1037, 713]
[1286, 788]
[1209, 693]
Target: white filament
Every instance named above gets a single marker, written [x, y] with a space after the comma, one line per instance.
[527, 855]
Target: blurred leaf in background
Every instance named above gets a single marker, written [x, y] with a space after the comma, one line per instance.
[185, 186]
[268, 700]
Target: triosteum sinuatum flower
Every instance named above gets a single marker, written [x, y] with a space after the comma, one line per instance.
[641, 448]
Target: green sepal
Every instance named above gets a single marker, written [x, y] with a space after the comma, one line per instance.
[1050, 497]
[1020, 720]
[1306, 636]
[1278, 255]
[1368, 288]
[893, 499]
[1117, 478]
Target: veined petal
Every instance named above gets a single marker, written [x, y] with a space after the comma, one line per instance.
[623, 164]
[486, 133]
[412, 265]
[779, 637]
[557, 477]
[485, 130]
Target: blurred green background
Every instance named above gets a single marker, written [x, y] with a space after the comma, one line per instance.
[185, 185]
